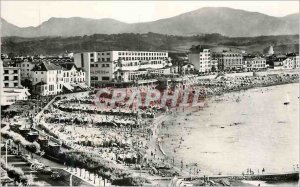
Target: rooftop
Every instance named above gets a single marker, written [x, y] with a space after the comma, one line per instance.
[46, 66]
[67, 65]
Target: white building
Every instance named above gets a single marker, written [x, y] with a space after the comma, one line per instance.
[11, 77]
[255, 64]
[11, 95]
[288, 63]
[296, 61]
[107, 66]
[71, 74]
[51, 79]
[201, 60]
[11, 90]
[187, 68]
[47, 79]
[291, 62]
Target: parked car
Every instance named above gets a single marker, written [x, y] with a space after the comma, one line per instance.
[56, 176]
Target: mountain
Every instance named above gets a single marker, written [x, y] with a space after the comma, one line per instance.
[226, 21]
[8, 29]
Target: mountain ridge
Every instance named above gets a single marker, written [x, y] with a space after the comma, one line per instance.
[226, 21]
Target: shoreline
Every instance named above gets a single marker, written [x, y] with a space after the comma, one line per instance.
[209, 97]
[156, 144]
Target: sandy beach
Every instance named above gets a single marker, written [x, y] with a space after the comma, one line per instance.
[183, 125]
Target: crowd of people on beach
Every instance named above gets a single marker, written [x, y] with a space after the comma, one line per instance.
[226, 84]
[83, 125]
[125, 134]
[120, 136]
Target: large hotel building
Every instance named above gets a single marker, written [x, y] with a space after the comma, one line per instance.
[228, 60]
[120, 66]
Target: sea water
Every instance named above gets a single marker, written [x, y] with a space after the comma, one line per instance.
[239, 130]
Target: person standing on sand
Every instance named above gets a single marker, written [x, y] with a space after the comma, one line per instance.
[181, 165]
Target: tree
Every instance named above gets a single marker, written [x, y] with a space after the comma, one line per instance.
[11, 55]
[27, 83]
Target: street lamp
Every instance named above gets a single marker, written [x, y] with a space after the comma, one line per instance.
[7, 141]
[71, 179]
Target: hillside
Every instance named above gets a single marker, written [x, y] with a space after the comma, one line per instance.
[149, 41]
[226, 21]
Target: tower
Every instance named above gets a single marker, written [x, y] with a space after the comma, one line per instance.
[270, 51]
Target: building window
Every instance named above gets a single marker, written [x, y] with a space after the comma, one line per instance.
[92, 65]
[6, 84]
[6, 71]
[92, 55]
[107, 59]
[15, 84]
[92, 60]
[105, 78]
[6, 78]
[107, 65]
[103, 65]
[94, 78]
[15, 78]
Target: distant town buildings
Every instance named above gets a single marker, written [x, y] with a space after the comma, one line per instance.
[289, 61]
[50, 75]
[120, 66]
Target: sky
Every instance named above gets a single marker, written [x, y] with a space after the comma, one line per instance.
[33, 13]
